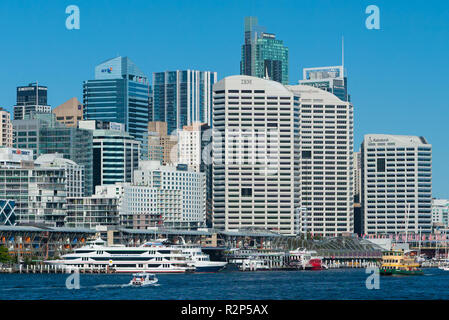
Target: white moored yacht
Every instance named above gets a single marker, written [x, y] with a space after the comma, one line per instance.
[201, 260]
[154, 257]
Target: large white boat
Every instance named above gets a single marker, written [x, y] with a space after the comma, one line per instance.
[154, 257]
[201, 260]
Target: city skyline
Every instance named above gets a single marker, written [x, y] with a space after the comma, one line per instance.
[383, 102]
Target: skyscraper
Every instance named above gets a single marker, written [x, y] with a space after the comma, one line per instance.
[262, 54]
[115, 154]
[183, 97]
[30, 99]
[326, 129]
[255, 155]
[396, 184]
[330, 79]
[120, 93]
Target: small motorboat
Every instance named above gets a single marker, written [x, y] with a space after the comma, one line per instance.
[143, 279]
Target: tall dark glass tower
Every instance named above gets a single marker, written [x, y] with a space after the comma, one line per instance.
[30, 99]
[262, 54]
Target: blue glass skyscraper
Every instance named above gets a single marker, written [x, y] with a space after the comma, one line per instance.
[119, 93]
[183, 97]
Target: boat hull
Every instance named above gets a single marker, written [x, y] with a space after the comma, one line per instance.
[393, 272]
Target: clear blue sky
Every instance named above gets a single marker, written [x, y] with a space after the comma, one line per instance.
[398, 76]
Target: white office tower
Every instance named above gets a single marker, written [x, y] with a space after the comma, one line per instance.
[255, 155]
[396, 184]
[168, 196]
[326, 166]
[357, 175]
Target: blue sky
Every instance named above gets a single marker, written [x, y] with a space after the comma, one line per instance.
[398, 75]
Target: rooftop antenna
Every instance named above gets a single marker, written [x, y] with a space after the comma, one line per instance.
[343, 54]
[266, 73]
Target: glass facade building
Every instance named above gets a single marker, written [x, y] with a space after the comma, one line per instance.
[330, 79]
[119, 93]
[182, 97]
[262, 54]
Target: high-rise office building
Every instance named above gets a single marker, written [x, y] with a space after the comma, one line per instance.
[262, 54]
[5, 129]
[161, 146]
[194, 149]
[120, 93]
[30, 99]
[115, 153]
[69, 113]
[330, 79]
[396, 184]
[182, 97]
[255, 155]
[27, 132]
[326, 166]
[74, 144]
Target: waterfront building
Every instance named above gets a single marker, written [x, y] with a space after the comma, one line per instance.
[171, 196]
[194, 149]
[255, 155]
[161, 146]
[30, 99]
[440, 213]
[69, 113]
[182, 97]
[15, 175]
[53, 180]
[262, 54]
[38, 188]
[119, 93]
[100, 209]
[326, 129]
[5, 129]
[330, 79]
[396, 184]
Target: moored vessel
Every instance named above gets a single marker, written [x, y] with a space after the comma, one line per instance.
[154, 257]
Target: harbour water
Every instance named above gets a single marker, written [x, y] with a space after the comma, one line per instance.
[285, 285]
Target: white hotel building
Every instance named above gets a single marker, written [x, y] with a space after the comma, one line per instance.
[169, 196]
[396, 184]
[255, 155]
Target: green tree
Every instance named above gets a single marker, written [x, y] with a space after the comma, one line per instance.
[4, 255]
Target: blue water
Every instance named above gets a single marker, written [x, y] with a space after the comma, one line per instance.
[290, 285]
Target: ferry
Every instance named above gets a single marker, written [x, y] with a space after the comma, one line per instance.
[399, 262]
[305, 259]
[154, 257]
